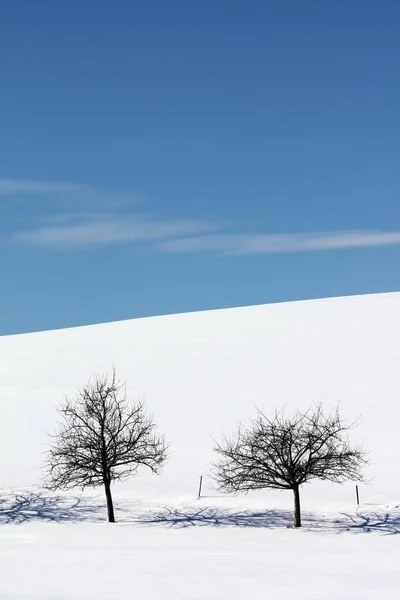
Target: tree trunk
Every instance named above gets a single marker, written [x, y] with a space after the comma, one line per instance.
[110, 506]
[297, 512]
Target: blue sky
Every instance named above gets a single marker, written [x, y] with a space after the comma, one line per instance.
[161, 157]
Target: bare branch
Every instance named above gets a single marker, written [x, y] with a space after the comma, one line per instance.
[102, 438]
[285, 452]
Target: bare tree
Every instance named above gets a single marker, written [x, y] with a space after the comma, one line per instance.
[285, 452]
[102, 439]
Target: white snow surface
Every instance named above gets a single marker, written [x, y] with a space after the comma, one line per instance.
[201, 373]
[64, 550]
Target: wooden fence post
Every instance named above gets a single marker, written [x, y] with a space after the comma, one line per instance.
[200, 484]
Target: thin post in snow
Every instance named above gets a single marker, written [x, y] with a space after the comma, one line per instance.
[357, 496]
[200, 484]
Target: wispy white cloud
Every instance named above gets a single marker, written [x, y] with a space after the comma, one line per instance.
[189, 236]
[101, 230]
[15, 186]
[252, 244]
[70, 193]
[76, 229]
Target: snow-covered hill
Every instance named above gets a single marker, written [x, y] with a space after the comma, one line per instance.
[202, 372]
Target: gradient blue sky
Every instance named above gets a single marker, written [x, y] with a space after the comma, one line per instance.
[160, 157]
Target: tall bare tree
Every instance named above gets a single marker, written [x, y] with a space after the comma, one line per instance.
[102, 438]
[285, 452]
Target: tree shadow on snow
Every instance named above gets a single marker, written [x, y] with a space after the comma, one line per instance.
[27, 506]
[35, 506]
[217, 517]
[379, 522]
[384, 522]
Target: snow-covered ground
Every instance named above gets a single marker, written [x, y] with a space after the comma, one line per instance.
[201, 373]
[64, 550]
[84, 562]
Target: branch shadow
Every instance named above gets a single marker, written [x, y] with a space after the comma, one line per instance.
[384, 523]
[24, 507]
[217, 517]
[27, 506]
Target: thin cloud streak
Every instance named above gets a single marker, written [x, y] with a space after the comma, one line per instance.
[15, 186]
[248, 244]
[70, 193]
[75, 230]
[105, 230]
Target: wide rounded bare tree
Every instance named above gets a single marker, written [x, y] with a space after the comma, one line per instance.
[285, 452]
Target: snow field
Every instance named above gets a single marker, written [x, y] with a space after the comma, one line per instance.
[201, 373]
